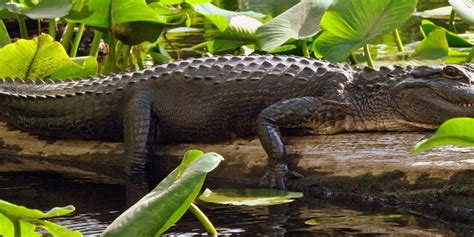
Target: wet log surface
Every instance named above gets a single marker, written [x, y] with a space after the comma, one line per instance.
[368, 164]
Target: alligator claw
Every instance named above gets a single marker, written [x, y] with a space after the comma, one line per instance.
[275, 177]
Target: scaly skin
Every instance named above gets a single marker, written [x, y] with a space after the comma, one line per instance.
[224, 97]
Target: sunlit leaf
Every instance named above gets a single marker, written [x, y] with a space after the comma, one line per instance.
[220, 17]
[38, 58]
[249, 197]
[439, 13]
[219, 45]
[166, 203]
[85, 66]
[351, 24]
[457, 131]
[299, 22]
[56, 230]
[464, 9]
[434, 48]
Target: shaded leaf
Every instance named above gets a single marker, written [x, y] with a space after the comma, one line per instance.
[166, 203]
[434, 48]
[454, 40]
[159, 54]
[457, 131]
[219, 45]
[132, 21]
[299, 22]
[39, 9]
[351, 24]
[249, 197]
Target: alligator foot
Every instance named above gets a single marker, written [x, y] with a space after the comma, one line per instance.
[277, 175]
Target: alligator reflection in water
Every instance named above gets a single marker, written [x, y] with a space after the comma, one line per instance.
[98, 204]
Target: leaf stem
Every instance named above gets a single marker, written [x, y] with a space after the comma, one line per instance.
[398, 40]
[126, 55]
[206, 223]
[353, 59]
[200, 45]
[22, 25]
[368, 57]
[304, 47]
[52, 27]
[67, 35]
[77, 40]
[139, 58]
[94, 50]
[16, 227]
[452, 25]
[471, 55]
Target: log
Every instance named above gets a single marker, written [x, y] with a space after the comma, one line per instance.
[374, 164]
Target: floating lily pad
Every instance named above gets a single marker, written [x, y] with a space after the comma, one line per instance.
[433, 49]
[249, 197]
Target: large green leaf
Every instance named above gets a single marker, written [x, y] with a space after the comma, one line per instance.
[457, 131]
[86, 66]
[454, 40]
[299, 22]
[249, 197]
[39, 58]
[433, 49]
[351, 24]
[465, 9]
[30, 219]
[38, 9]
[132, 21]
[161, 208]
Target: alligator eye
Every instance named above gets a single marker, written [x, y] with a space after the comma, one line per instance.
[455, 73]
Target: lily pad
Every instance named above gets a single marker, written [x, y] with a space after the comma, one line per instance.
[350, 24]
[464, 9]
[166, 203]
[457, 131]
[299, 22]
[40, 58]
[249, 197]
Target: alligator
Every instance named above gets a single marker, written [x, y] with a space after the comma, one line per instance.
[224, 97]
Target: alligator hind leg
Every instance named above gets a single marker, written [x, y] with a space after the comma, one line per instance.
[292, 113]
[140, 124]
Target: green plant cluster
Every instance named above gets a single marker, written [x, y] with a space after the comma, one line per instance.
[332, 30]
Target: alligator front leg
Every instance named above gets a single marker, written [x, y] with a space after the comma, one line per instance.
[140, 133]
[293, 113]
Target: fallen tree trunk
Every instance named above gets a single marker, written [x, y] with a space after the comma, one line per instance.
[378, 164]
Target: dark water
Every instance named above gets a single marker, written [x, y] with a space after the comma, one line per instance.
[97, 205]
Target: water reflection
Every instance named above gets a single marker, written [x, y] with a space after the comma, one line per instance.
[97, 205]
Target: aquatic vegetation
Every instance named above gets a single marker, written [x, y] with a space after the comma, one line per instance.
[21, 221]
[249, 197]
[457, 131]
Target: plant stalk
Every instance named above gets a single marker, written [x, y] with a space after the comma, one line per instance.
[4, 36]
[304, 47]
[77, 40]
[452, 25]
[52, 28]
[398, 40]
[139, 58]
[353, 59]
[126, 55]
[368, 57]
[16, 227]
[471, 55]
[94, 50]
[206, 223]
[22, 25]
[67, 35]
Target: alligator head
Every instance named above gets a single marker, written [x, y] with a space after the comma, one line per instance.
[430, 95]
